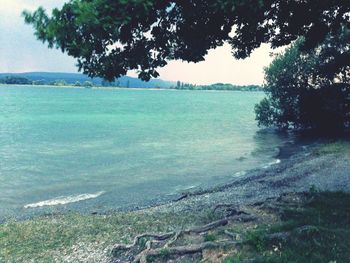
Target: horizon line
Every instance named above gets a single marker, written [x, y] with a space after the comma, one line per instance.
[79, 73]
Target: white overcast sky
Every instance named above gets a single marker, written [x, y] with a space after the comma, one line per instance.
[21, 52]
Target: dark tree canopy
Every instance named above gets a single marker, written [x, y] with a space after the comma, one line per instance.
[309, 90]
[110, 37]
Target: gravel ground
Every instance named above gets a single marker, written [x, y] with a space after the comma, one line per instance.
[299, 173]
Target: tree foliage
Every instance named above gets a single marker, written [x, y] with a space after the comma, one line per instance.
[110, 37]
[309, 89]
[15, 80]
[217, 86]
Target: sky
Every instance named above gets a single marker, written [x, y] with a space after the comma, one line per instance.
[21, 52]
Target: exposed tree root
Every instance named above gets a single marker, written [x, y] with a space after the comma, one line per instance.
[230, 209]
[232, 235]
[190, 244]
[155, 245]
[182, 250]
[197, 230]
[285, 235]
[205, 228]
[137, 239]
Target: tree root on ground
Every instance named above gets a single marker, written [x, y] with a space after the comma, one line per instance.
[137, 240]
[287, 234]
[182, 250]
[174, 245]
[230, 209]
[155, 245]
[233, 236]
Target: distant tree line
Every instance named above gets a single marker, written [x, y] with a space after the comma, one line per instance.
[217, 86]
[179, 85]
[16, 80]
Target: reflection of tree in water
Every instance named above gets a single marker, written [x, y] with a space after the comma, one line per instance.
[280, 144]
[273, 143]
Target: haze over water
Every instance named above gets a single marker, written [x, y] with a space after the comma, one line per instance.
[99, 150]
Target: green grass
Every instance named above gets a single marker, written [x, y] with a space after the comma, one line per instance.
[47, 239]
[328, 240]
[233, 259]
[210, 238]
[337, 147]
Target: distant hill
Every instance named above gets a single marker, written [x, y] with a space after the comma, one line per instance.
[73, 78]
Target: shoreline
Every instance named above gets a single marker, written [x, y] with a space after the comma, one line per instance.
[252, 201]
[269, 181]
[160, 201]
[299, 173]
[157, 202]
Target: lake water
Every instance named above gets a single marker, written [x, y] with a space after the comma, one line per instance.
[98, 150]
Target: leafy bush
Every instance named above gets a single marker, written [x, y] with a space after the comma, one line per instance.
[308, 90]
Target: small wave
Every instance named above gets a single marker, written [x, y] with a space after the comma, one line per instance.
[62, 200]
[241, 173]
[186, 188]
[277, 161]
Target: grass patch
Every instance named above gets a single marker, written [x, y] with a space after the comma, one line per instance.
[52, 239]
[328, 240]
[210, 238]
[233, 259]
[337, 147]
[49, 239]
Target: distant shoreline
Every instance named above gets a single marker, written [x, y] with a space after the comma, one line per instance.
[120, 88]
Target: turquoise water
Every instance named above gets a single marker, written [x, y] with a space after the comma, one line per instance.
[99, 150]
